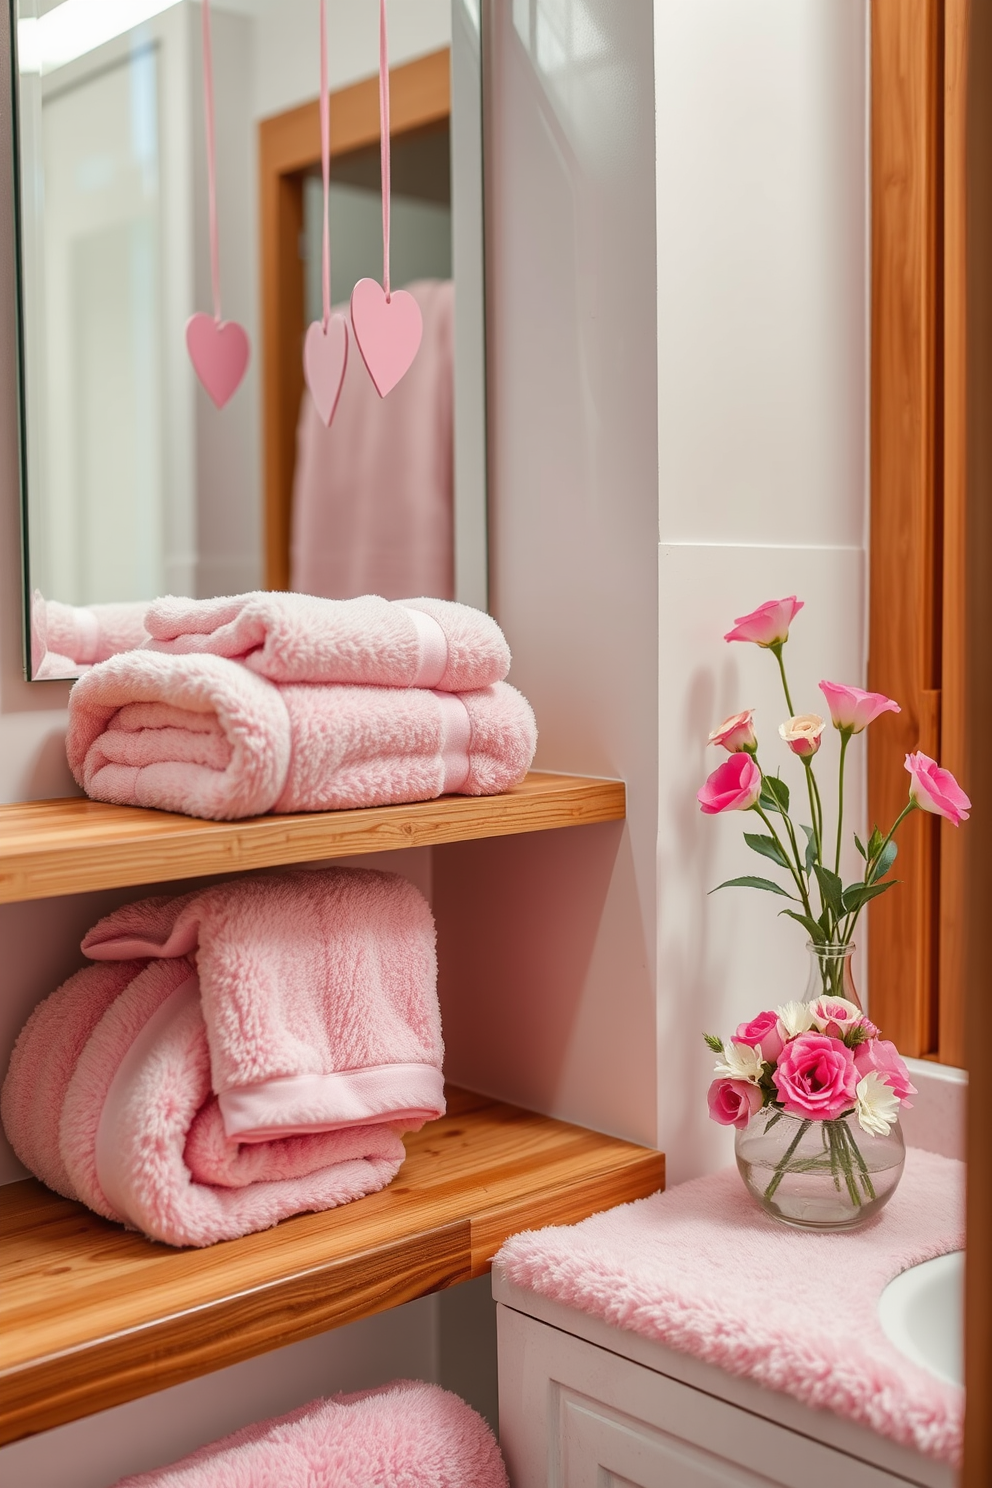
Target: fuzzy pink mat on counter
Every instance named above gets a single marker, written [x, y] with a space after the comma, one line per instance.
[703, 1270]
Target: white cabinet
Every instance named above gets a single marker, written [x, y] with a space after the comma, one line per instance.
[576, 1414]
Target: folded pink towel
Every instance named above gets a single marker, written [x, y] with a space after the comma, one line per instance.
[403, 1435]
[319, 992]
[66, 638]
[205, 736]
[300, 638]
[703, 1270]
[264, 1064]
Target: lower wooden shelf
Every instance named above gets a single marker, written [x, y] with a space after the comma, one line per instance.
[92, 1315]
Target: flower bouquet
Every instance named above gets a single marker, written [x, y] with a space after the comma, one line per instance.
[811, 1087]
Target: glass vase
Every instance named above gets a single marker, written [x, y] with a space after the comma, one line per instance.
[830, 973]
[818, 1175]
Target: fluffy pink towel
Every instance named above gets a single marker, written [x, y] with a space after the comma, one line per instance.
[373, 494]
[318, 989]
[702, 1269]
[403, 1435]
[65, 639]
[263, 1065]
[205, 736]
[370, 640]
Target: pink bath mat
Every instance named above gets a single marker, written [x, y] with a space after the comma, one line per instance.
[703, 1270]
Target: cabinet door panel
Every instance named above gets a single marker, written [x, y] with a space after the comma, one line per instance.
[573, 1415]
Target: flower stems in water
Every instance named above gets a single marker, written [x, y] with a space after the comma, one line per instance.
[840, 1152]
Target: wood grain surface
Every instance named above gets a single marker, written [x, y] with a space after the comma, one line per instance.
[72, 846]
[904, 622]
[92, 1315]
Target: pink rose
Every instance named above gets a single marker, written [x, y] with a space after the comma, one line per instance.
[736, 733]
[734, 786]
[764, 1030]
[936, 790]
[768, 625]
[852, 709]
[883, 1057]
[803, 733]
[816, 1078]
[734, 1102]
[835, 1016]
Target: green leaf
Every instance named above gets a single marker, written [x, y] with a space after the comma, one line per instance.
[831, 890]
[875, 843]
[768, 848]
[859, 845]
[774, 794]
[753, 883]
[886, 858]
[859, 894]
[716, 1044]
[810, 849]
[815, 931]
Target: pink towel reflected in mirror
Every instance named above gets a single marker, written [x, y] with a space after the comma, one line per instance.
[373, 494]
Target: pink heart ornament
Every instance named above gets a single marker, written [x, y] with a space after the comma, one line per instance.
[388, 332]
[325, 357]
[219, 351]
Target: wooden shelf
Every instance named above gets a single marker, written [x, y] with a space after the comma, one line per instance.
[92, 1315]
[72, 846]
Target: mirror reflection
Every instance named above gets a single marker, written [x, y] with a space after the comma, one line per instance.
[136, 484]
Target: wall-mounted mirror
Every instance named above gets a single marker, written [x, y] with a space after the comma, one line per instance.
[135, 485]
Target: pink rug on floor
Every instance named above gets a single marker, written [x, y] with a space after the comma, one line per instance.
[703, 1270]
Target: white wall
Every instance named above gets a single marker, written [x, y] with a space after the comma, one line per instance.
[762, 195]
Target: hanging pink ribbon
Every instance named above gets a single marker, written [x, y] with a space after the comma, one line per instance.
[325, 349]
[387, 325]
[218, 349]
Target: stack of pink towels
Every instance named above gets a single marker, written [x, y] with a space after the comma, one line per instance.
[234, 1056]
[286, 702]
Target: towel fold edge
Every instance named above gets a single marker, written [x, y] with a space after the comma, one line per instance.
[296, 1105]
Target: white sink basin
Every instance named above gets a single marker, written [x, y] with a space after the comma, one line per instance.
[921, 1313]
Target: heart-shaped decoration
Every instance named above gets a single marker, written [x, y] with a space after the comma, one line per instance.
[219, 351]
[325, 357]
[388, 332]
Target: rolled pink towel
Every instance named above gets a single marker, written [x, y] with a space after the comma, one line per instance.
[403, 1435]
[67, 638]
[205, 736]
[265, 1064]
[433, 643]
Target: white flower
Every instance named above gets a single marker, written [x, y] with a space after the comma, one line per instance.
[878, 1104]
[740, 1062]
[795, 1017]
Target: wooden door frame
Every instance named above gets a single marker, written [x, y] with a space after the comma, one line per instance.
[917, 562]
[288, 150]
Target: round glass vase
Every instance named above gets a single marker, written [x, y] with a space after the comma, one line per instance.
[820, 1175]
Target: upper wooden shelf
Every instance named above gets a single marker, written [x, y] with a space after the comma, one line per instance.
[92, 1314]
[72, 846]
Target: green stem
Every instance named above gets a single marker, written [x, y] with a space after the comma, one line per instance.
[800, 885]
[866, 1182]
[872, 866]
[837, 1136]
[813, 802]
[783, 1161]
[776, 650]
[845, 738]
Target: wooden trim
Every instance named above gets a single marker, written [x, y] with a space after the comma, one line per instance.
[75, 846]
[94, 1315]
[288, 147]
[906, 496]
[954, 627]
[977, 895]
